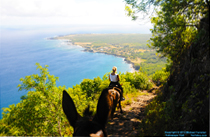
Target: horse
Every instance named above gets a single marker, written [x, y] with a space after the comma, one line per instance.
[115, 96]
[85, 126]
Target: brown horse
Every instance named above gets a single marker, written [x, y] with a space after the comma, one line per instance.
[114, 92]
[84, 126]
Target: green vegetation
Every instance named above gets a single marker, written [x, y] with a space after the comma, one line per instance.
[40, 113]
[180, 33]
[175, 26]
[160, 76]
[133, 47]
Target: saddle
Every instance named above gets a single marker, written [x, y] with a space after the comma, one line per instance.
[114, 86]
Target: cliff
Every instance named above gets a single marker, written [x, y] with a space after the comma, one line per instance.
[188, 85]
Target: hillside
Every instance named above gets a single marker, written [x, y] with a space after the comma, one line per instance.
[40, 111]
[189, 84]
[132, 47]
[183, 102]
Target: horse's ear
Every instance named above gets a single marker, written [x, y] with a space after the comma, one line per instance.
[103, 109]
[69, 109]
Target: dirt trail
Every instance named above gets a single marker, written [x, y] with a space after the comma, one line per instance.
[126, 124]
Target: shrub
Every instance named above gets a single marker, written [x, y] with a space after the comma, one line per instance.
[160, 76]
[138, 79]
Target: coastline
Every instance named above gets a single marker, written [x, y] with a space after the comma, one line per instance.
[69, 42]
[131, 64]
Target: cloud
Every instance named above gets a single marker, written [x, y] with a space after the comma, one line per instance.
[44, 12]
[36, 8]
[65, 8]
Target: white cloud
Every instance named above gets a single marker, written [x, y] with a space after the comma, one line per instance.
[36, 8]
[49, 12]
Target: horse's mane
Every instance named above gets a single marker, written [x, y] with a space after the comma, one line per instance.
[87, 112]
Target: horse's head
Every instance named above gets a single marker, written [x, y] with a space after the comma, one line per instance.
[85, 126]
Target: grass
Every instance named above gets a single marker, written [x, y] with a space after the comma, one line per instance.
[129, 97]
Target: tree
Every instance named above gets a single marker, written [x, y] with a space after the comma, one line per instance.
[39, 112]
[176, 23]
[145, 8]
[91, 87]
[181, 32]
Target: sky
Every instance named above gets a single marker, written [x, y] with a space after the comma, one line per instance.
[67, 12]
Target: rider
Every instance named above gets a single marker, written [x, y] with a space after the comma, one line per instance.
[114, 78]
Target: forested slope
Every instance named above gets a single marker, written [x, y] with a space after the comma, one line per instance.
[181, 33]
[183, 103]
[189, 84]
[40, 113]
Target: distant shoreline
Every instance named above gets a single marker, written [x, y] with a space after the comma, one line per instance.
[69, 42]
[124, 59]
[92, 51]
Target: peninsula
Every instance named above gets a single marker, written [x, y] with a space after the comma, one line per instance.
[132, 47]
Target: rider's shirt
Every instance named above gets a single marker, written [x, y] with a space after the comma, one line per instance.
[114, 78]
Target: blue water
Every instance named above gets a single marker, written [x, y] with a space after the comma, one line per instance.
[21, 49]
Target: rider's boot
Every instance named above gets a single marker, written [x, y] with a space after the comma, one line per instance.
[121, 97]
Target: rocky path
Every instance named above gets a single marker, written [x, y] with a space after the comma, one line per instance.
[127, 124]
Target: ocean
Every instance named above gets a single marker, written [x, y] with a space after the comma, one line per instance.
[20, 49]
